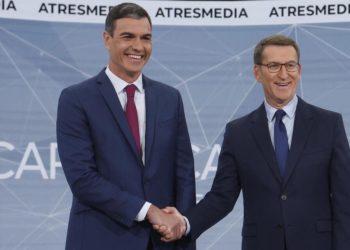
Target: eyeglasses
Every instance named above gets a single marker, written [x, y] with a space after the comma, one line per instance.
[276, 67]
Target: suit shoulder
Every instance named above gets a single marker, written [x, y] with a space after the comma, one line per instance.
[241, 121]
[321, 112]
[79, 93]
[83, 85]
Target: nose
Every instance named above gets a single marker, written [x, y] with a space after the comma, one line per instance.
[137, 44]
[283, 73]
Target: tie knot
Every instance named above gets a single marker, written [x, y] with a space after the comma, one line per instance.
[130, 90]
[279, 114]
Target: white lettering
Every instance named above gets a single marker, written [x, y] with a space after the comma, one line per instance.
[53, 161]
[9, 173]
[23, 166]
[211, 165]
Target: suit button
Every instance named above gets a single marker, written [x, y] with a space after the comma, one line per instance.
[279, 226]
[283, 197]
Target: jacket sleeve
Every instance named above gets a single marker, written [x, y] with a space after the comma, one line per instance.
[185, 180]
[76, 151]
[220, 200]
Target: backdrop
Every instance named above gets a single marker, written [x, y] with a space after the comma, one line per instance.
[210, 64]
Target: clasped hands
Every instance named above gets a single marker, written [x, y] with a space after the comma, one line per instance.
[168, 222]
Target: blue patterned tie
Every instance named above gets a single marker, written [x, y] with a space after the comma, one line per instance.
[281, 141]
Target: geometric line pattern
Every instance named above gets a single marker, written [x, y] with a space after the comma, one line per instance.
[210, 66]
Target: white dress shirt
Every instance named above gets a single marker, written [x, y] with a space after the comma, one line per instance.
[288, 119]
[139, 99]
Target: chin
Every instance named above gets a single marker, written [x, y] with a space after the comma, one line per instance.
[134, 70]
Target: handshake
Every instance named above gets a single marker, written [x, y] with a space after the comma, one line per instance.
[168, 222]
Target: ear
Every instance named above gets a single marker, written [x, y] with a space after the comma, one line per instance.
[106, 39]
[257, 72]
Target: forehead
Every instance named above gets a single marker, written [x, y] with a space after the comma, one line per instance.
[132, 25]
[278, 53]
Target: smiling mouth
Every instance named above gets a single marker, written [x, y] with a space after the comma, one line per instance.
[282, 84]
[135, 57]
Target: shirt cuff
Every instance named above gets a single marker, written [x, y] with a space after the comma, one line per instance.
[188, 226]
[143, 212]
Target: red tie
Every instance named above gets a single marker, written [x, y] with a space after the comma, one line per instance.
[131, 115]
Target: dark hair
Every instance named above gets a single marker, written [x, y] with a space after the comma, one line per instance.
[123, 10]
[279, 40]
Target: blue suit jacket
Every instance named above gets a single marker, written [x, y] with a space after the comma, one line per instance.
[108, 180]
[308, 209]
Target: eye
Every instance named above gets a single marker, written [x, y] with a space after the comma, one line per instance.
[127, 36]
[147, 38]
[274, 66]
[291, 65]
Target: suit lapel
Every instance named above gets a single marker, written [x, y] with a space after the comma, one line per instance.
[262, 138]
[301, 131]
[151, 116]
[108, 92]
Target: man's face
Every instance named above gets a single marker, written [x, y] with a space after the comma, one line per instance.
[279, 87]
[129, 48]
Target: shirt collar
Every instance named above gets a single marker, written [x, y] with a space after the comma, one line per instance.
[289, 108]
[119, 84]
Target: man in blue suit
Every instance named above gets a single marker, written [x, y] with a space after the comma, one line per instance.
[124, 146]
[290, 159]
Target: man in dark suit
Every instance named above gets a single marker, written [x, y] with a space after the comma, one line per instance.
[290, 159]
[124, 146]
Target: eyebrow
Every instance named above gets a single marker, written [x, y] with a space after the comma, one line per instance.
[132, 34]
[290, 61]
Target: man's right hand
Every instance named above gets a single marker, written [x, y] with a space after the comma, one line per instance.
[168, 222]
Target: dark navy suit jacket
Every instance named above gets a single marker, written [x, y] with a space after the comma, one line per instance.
[308, 209]
[108, 180]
